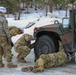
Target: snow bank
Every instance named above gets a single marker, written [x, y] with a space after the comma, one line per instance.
[20, 23]
[24, 20]
[61, 13]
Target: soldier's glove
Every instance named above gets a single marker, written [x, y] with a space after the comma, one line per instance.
[9, 41]
[12, 44]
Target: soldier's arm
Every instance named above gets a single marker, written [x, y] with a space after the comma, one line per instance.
[5, 27]
[6, 30]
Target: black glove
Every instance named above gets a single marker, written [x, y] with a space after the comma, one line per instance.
[12, 44]
[10, 41]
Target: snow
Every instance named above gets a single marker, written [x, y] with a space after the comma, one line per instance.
[19, 23]
[61, 13]
[24, 20]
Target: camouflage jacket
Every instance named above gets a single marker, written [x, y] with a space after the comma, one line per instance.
[4, 31]
[22, 41]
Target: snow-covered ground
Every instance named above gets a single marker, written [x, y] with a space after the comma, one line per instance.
[26, 18]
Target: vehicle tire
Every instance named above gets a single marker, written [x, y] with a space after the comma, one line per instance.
[45, 45]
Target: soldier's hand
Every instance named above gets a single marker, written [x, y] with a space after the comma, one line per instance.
[12, 44]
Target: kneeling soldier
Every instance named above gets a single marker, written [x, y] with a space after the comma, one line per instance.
[23, 46]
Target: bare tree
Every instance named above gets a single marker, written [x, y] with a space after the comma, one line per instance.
[51, 5]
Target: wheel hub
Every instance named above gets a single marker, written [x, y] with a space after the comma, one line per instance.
[44, 48]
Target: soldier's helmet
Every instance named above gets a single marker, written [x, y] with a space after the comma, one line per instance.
[14, 30]
[29, 37]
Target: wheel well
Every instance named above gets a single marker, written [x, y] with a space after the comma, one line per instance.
[50, 34]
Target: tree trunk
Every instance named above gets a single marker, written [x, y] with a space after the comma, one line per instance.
[46, 10]
[19, 10]
[15, 16]
[51, 5]
[19, 16]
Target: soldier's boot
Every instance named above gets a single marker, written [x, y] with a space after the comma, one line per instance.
[11, 65]
[25, 69]
[39, 69]
[1, 64]
[21, 59]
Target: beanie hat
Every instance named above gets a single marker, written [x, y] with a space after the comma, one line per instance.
[3, 9]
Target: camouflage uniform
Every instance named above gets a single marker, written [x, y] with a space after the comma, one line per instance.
[5, 40]
[23, 46]
[49, 60]
[13, 30]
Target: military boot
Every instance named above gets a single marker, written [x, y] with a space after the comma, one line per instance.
[21, 59]
[11, 65]
[1, 64]
[25, 69]
[39, 69]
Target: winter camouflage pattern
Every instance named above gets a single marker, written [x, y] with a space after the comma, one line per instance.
[23, 45]
[49, 60]
[13, 30]
[4, 31]
[5, 48]
[5, 40]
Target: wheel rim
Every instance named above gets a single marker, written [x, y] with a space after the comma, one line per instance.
[44, 47]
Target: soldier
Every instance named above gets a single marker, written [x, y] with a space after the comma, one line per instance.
[23, 46]
[5, 40]
[48, 60]
[13, 30]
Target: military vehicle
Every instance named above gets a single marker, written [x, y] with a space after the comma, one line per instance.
[48, 36]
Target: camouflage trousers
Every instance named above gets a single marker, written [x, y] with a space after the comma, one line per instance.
[51, 60]
[22, 50]
[5, 48]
